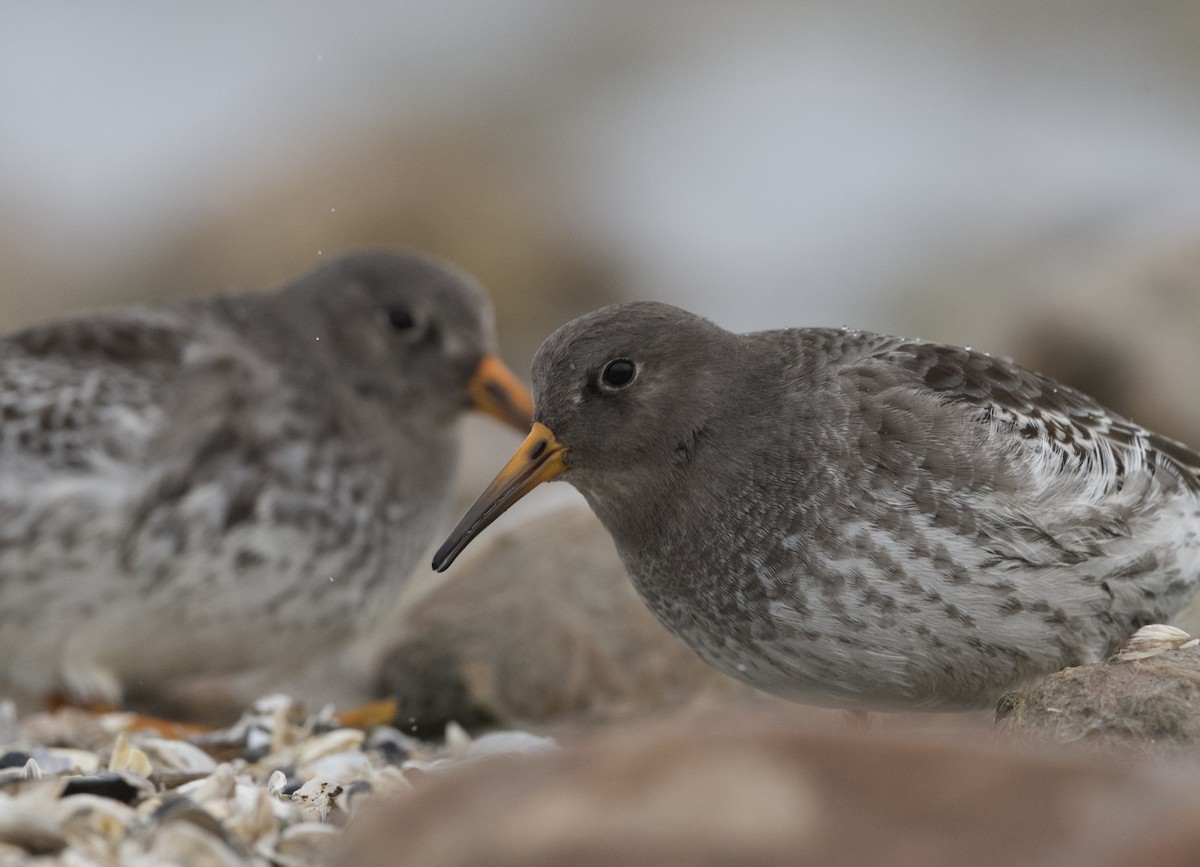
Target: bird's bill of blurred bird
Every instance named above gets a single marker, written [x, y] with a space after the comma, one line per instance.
[539, 459]
[496, 391]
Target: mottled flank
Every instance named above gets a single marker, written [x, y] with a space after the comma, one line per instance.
[862, 520]
[230, 483]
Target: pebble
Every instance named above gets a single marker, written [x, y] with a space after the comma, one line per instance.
[273, 789]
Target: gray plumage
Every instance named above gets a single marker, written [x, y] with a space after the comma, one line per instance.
[230, 483]
[862, 520]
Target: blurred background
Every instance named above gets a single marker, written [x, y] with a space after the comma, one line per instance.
[949, 169]
[1022, 177]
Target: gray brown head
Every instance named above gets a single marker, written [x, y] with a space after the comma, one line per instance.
[406, 329]
[618, 394]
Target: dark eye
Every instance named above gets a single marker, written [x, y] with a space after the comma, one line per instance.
[400, 319]
[618, 373]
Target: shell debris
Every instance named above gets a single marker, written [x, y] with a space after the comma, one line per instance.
[1153, 639]
[275, 788]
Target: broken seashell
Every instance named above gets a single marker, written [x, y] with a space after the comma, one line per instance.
[336, 741]
[176, 757]
[317, 797]
[95, 826]
[219, 785]
[458, 742]
[276, 783]
[187, 843]
[345, 767]
[390, 781]
[506, 742]
[60, 760]
[126, 757]
[1152, 640]
[304, 843]
[29, 820]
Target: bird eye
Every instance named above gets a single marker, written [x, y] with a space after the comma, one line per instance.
[618, 373]
[400, 319]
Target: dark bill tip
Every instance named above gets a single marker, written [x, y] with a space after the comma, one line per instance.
[539, 459]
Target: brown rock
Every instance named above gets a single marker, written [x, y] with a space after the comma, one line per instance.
[1141, 704]
[768, 790]
[542, 624]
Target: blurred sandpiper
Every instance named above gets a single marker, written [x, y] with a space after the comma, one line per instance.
[235, 482]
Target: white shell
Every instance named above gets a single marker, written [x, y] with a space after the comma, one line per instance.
[94, 825]
[30, 819]
[458, 742]
[1154, 639]
[317, 797]
[345, 767]
[336, 741]
[390, 781]
[219, 785]
[59, 760]
[495, 743]
[185, 843]
[176, 757]
[126, 757]
[304, 843]
[251, 815]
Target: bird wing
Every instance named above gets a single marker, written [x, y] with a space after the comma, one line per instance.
[1072, 433]
[110, 413]
[82, 394]
[1012, 465]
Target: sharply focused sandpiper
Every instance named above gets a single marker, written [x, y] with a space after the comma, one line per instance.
[232, 483]
[854, 519]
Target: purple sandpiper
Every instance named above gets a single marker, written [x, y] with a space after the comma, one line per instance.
[853, 519]
[233, 482]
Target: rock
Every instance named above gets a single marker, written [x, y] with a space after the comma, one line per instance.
[1141, 703]
[542, 624]
[764, 790]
